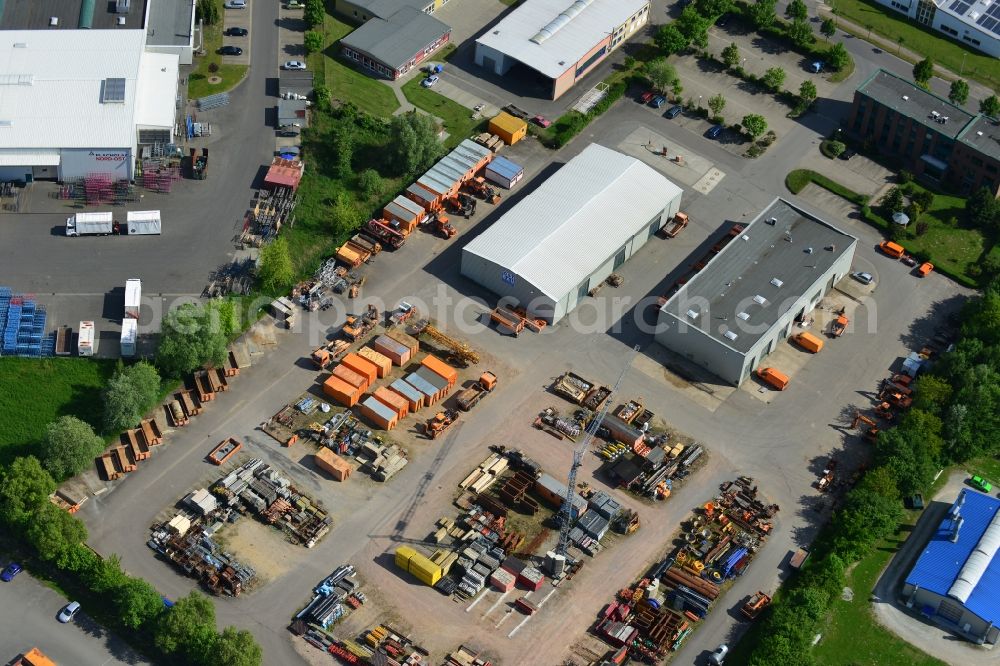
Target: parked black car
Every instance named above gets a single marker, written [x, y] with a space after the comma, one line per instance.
[231, 50]
[237, 32]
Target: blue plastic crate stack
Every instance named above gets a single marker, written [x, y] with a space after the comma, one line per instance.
[22, 326]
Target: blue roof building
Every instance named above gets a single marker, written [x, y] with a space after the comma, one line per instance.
[956, 580]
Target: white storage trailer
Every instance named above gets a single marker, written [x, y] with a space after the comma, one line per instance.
[133, 298]
[90, 224]
[143, 222]
[85, 344]
[130, 333]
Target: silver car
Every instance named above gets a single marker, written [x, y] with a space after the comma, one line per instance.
[294, 65]
[69, 612]
[863, 278]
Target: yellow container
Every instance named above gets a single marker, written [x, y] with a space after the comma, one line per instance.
[403, 556]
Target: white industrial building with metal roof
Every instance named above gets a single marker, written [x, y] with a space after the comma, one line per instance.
[747, 298]
[77, 102]
[566, 237]
[562, 40]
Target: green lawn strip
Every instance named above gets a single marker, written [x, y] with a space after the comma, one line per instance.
[347, 84]
[198, 85]
[796, 181]
[852, 635]
[458, 120]
[34, 392]
[988, 468]
[964, 62]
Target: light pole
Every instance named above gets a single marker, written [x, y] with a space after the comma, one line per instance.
[962, 71]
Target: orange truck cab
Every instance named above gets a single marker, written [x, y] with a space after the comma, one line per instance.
[808, 341]
[774, 378]
[925, 269]
[894, 250]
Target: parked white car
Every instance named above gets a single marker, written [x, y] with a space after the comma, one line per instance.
[69, 612]
[235, 4]
[294, 64]
[430, 81]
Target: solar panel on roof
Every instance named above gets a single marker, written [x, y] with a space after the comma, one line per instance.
[113, 90]
[959, 7]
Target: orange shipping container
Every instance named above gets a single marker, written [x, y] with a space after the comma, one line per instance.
[382, 416]
[440, 368]
[329, 461]
[359, 365]
[393, 400]
[351, 377]
[381, 361]
[341, 391]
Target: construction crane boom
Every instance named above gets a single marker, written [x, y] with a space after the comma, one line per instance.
[459, 349]
[566, 511]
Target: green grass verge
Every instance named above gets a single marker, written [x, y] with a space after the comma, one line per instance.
[852, 635]
[796, 181]
[458, 120]
[198, 85]
[347, 84]
[951, 55]
[35, 392]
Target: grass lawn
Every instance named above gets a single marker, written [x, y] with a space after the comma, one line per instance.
[346, 83]
[458, 121]
[930, 43]
[851, 635]
[198, 85]
[34, 392]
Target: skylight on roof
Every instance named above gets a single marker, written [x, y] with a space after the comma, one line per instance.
[744, 316]
[113, 91]
[730, 335]
[759, 300]
[692, 314]
[776, 282]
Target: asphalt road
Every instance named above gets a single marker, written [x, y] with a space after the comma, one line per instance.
[28, 612]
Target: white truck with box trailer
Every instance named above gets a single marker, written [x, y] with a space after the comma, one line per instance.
[90, 224]
[133, 298]
[130, 333]
[143, 222]
[85, 342]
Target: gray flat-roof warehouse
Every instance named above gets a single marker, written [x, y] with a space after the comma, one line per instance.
[559, 242]
[736, 310]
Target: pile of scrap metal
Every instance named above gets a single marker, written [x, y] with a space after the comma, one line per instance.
[263, 490]
[190, 548]
[329, 598]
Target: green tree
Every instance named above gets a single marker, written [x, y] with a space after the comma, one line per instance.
[774, 78]
[190, 337]
[69, 445]
[828, 28]
[923, 71]
[716, 103]
[800, 32]
[807, 91]
[225, 310]
[207, 11]
[797, 10]
[826, 574]
[371, 183]
[661, 74]
[53, 533]
[670, 40]
[891, 202]
[714, 8]
[882, 481]
[754, 125]
[138, 603]
[313, 41]
[24, 487]
[414, 143]
[990, 106]
[762, 13]
[864, 518]
[236, 647]
[693, 25]
[982, 209]
[959, 92]
[274, 268]
[122, 407]
[314, 13]
[731, 55]
[838, 57]
[188, 630]
[105, 576]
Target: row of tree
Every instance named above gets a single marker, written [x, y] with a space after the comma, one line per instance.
[185, 633]
[955, 417]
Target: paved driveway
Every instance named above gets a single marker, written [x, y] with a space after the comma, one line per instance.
[28, 616]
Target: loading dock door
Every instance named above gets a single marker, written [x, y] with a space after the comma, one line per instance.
[620, 258]
[490, 64]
